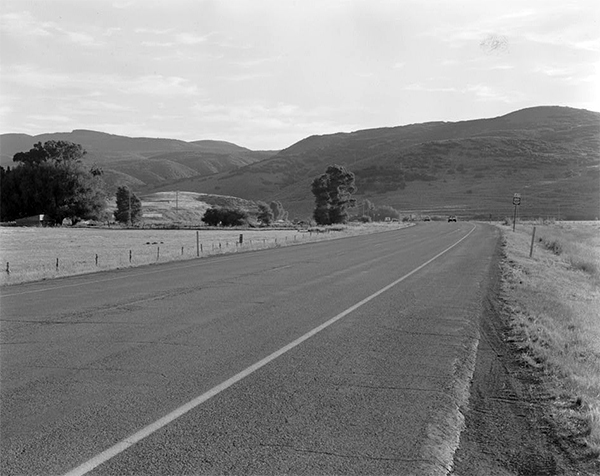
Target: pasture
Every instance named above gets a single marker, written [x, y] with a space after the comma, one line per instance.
[31, 254]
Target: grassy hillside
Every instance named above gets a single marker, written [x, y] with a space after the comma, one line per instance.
[551, 155]
[166, 208]
[140, 162]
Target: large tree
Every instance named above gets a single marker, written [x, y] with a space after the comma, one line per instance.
[279, 213]
[51, 179]
[265, 213]
[129, 207]
[333, 195]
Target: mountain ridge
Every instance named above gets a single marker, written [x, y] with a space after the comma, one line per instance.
[551, 154]
[471, 168]
[141, 161]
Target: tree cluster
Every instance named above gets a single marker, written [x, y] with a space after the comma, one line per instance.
[368, 212]
[225, 217]
[129, 207]
[333, 195]
[279, 213]
[265, 214]
[50, 179]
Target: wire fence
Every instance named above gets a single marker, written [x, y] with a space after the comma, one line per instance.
[45, 253]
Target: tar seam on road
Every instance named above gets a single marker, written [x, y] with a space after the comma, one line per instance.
[182, 410]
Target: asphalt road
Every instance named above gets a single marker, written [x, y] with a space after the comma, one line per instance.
[90, 365]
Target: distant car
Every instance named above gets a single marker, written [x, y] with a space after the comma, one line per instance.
[451, 218]
[427, 219]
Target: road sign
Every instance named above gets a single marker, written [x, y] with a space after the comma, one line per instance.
[517, 199]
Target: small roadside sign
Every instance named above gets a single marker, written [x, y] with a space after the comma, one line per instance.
[517, 199]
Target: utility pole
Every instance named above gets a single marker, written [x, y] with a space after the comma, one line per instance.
[129, 209]
[177, 202]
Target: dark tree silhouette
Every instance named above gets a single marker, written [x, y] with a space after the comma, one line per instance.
[333, 195]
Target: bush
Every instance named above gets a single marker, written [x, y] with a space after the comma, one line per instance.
[225, 217]
[552, 244]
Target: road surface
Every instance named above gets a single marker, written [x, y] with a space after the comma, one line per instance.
[350, 356]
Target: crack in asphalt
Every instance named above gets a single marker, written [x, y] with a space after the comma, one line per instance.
[343, 455]
[107, 369]
[392, 387]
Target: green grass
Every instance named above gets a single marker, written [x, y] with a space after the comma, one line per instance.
[554, 303]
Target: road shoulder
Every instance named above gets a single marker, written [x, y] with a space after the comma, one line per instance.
[509, 429]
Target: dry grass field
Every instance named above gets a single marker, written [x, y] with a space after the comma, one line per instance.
[31, 254]
[553, 299]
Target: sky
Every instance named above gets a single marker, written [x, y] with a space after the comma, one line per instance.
[265, 74]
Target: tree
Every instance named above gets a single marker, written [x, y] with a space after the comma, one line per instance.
[385, 211]
[129, 206]
[225, 217]
[278, 211]
[265, 214]
[333, 195]
[212, 217]
[52, 180]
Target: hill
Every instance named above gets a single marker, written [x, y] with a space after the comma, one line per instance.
[142, 161]
[549, 154]
[167, 208]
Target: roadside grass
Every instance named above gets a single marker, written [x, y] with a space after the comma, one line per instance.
[554, 304]
[32, 254]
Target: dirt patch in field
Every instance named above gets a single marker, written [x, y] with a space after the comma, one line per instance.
[515, 423]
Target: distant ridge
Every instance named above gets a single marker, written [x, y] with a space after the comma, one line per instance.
[550, 154]
[142, 161]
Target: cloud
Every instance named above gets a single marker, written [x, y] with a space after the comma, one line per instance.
[152, 85]
[187, 38]
[24, 24]
[49, 118]
[431, 89]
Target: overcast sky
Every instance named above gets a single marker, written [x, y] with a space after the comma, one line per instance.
[266, 73]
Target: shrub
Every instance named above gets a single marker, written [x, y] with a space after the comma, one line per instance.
[552, 244]
[225, 217]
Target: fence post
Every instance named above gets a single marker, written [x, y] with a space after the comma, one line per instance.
[56, 264]
[532, 240]
[130, 256]
[96, 259]
[182, 251]
[157, 253]
[241, 239]
[7, 267]
[197, 243]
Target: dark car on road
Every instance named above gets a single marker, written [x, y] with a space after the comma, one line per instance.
[451, 218]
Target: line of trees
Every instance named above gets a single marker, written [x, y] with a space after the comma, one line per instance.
[51, 179]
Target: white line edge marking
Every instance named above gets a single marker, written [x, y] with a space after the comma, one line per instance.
[182, 410]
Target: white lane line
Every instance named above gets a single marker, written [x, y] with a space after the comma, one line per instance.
[182, 410]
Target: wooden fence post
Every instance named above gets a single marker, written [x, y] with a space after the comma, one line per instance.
[532, 240]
